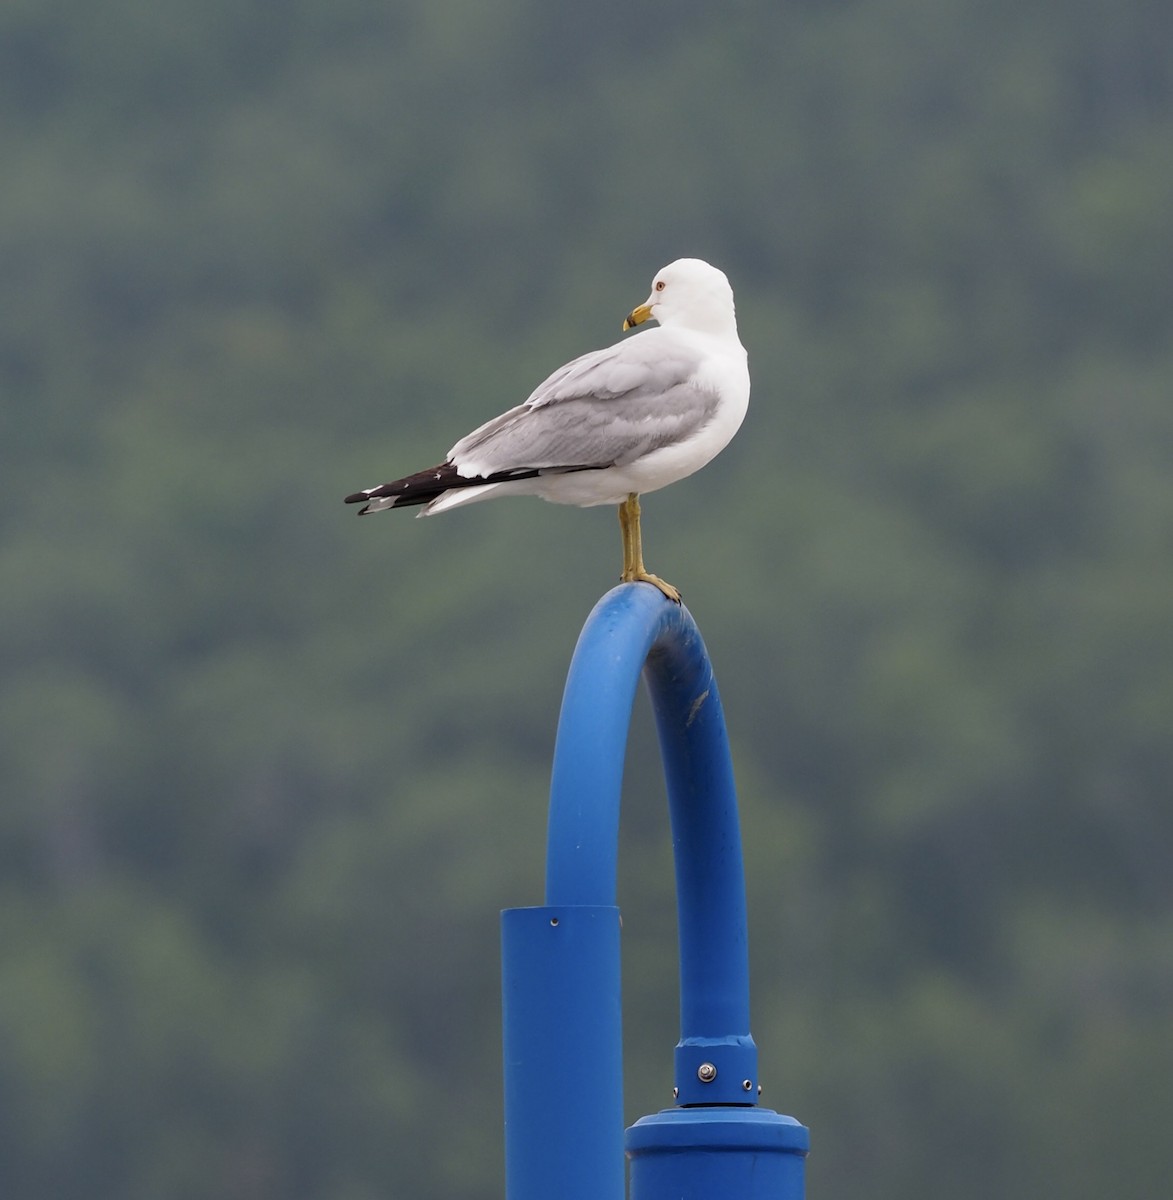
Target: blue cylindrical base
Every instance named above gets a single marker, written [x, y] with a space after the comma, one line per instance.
[746, 1152]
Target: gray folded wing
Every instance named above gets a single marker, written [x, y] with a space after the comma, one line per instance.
[606, 408]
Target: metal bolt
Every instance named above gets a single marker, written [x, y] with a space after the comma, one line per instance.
[706, 1072]
[747, 1085]
[675, 1093]
[759, 1089]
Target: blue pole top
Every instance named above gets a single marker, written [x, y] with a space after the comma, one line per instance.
[635, 630]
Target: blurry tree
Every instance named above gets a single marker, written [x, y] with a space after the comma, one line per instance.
[268, 772]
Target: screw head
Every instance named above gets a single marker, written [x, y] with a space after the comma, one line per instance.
[706, 1072]
[676, 1093]
[747, 1085]
[759, 1089]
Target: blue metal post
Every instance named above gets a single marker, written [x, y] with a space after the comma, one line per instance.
[563, 1053]
[716, 1143]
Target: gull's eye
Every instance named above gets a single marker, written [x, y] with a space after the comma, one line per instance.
[659, 285]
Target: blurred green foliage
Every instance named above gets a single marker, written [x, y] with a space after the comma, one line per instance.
[268, 773]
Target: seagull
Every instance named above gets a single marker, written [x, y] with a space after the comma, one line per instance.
[611, 425]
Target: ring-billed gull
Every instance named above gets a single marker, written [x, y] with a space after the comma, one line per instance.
[612, 424]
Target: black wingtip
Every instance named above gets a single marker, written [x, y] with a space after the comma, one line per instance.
[356, 498]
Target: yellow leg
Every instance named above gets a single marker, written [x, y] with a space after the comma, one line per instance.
[634, 570]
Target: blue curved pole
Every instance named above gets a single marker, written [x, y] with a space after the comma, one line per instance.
[561, 962]
[633, 630]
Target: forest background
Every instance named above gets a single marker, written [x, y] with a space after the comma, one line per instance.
[268, 773]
